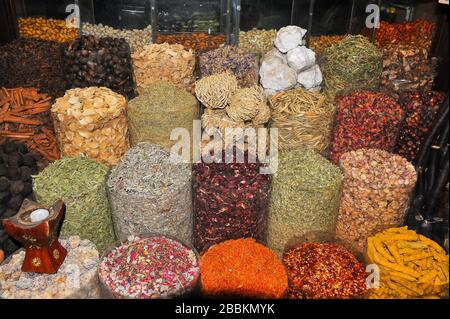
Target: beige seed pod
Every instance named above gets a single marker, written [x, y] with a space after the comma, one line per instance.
[215, 91]
[248, 104]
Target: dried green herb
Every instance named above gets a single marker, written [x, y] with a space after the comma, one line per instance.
[305, 197]
[157, 111]
[81, 183]
[352, 64]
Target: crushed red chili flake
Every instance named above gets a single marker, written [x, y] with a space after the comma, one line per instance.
[324, 271]
[153, 267]
[421, 108]
[365, 119]
[230, 202]
[242, 268]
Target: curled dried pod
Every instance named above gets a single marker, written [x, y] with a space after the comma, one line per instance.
[248, 103]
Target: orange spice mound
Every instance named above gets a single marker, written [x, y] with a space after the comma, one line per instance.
[243, 268]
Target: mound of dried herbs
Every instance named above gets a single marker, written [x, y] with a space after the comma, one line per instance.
[80, 182]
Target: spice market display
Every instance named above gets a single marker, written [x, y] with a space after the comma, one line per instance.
[33, 64]
[136, 38]
[365, 119]
[149, 267]
[242, 268]
[324, 271]
[92, 122]
[229, 202]
[124, 120]
[148, 114]
[197, 41]
[230, 58]
[46, 29]
[411, 265]
[168, 62]
[290, 64]
[148, 193]
[81, 183]
[17, 165]
[303, 119]
[25, 117]
[304, 199]
[376, 194]
[91, 61]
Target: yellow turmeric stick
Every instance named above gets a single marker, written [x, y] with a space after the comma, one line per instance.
[394, 252]
[408, 285]
[402, 275]
[393, 266]
[379, 246]
[429, 277]
[418, 257]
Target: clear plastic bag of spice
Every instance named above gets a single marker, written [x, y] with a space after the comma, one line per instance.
[149, 266]
[230, 202]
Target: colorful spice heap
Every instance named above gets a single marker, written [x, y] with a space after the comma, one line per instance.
[305, 197]
[149, 193]
[418, 33]
[167, 62]
[81, 183]
[92, 61]
[376, 194]
[303, 119]
[411, 265]
[365, 120]
[33, 63]
[197, 41]
[76, 279]
[16, 167]
[230, 58]
[148, 113]
[320, 43]
[257, 41]
[421, 108]
[46, 29]
[92, 122]
[324, 271]
[350, 65]
[407, 67]
[25, 117]
[242, 268]
[230, 202]
[147, 268]
[136, 38]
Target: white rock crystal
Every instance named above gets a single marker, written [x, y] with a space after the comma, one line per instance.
[276, 75]
[301, 58]
[289, 38]
[310, 78]
[274, 53]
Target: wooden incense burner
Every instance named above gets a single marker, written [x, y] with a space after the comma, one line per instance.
[43, 252]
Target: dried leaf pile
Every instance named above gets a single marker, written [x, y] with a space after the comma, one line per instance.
[230, 58]
[148, 114]
[25, 117]
[92, 122]
[169, 62]
[257, 41]
[320, 43]
[149, 193]
[81, 183]
[352, 64]
[303, 119]
[305, 197]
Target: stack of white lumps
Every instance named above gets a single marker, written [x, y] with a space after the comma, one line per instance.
[291, 64]
[136, 38]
